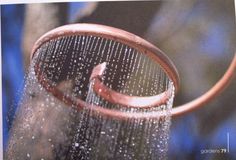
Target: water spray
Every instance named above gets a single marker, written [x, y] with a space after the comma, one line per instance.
[102, 93]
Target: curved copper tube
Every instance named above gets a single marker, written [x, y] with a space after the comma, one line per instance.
[140, 44]
[210, 94]
[122, 99]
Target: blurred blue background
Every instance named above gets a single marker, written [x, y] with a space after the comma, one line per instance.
[215, 41]
[12, 62]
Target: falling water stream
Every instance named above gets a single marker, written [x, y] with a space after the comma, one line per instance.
[46, 128]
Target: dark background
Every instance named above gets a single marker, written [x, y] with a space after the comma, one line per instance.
[198, 35]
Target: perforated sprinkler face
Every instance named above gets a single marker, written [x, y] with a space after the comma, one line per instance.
[125, 75]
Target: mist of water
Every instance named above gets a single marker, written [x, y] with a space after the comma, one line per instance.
[46, 128]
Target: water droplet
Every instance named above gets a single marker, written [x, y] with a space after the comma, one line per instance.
[28, 155]
[76, 144]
